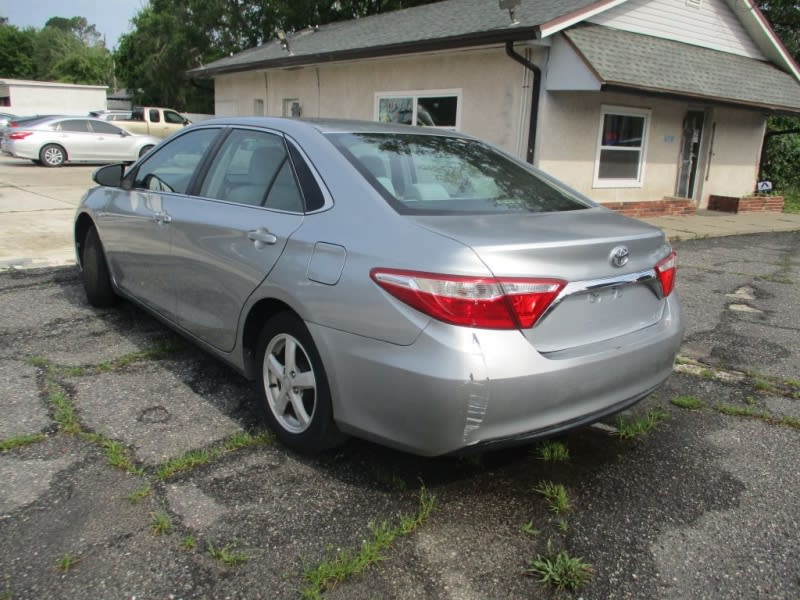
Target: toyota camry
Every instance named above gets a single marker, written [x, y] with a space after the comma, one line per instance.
[412, 286]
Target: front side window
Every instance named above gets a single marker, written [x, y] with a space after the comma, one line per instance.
[621, 147]
[171, 167]
[173, 117]
[442, 175]
[103, 127]
[430, 109]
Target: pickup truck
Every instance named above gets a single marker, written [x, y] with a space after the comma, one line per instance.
[160, 122]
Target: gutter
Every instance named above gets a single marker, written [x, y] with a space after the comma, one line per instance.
[537, 86]
[471, 40]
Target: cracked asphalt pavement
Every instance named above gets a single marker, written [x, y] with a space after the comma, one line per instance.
[110, 423]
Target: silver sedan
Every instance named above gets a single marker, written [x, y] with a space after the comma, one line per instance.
[54, 141]
[412, 286]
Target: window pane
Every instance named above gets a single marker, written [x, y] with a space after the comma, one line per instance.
[103, 127]
[170, 168]
[426, 174]
[438, 111]
[81, 125]
[245, 167]
[395, 110]
[619, 164]
[284, 193]
[155, 117]
[623, 130]
[173, 117]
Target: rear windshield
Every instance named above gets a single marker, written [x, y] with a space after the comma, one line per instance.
[431, 174]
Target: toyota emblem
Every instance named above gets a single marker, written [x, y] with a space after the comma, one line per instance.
[619, 256]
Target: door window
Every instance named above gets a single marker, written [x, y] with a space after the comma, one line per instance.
[173, 117]
[81, 125]
[103, 127]
[253, 168]
[171, 167]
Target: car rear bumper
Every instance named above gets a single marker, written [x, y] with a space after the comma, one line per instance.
[455, 388]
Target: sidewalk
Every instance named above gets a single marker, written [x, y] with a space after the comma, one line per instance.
[712, 223]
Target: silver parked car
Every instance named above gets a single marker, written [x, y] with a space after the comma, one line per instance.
[412, 286]
[53, 141]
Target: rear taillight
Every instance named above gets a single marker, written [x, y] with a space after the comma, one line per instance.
[19, 135]
[665, 269]
[483, 302]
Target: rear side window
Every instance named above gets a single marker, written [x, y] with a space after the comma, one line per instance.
[79, 125]
[171, 167]
[155, 116]
[253, 168]
[431, 174]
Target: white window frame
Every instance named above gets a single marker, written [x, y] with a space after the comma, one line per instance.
[415, 95]
[624, 111]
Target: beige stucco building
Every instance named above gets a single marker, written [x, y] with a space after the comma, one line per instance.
[627, 101]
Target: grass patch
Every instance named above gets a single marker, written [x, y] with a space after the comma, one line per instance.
[117, 454]
[73, 371]
[560, 570]
[791, 201]
[563, 526]
[390, 480]
[156, 352]
[632, 428]
[19, 441]
[38, 361]
[556, 496]
[161, 524]
[552, 451]
[346, 563]
[753, 413]
[688, 402]
[67, 561]
[227, 554]
[530, 528]
[189, 542]
[63, 411]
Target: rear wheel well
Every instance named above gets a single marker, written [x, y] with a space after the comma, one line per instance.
[262, 311]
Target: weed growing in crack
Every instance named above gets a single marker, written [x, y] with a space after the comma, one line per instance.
[227, 554]
[161, 524]
[67, 561]
[753, 413]
[196, 458]
[552, 451]
[560, 570]
[189, 542]
[20, 441]
[530, 528]
[117, 454]
[140, 494]
[632, 428]
[688, 402]
[345, 563]
[556, 496]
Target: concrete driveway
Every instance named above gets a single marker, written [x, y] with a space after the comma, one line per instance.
[133, 465]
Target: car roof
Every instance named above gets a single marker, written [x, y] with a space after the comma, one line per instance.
[330, 125]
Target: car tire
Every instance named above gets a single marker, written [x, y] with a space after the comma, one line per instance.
[145, 150]
[52, 155]
[295, 397]
[95, 275]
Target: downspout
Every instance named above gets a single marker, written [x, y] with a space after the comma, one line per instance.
[537, 85]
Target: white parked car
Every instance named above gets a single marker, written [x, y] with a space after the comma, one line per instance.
[53, 141]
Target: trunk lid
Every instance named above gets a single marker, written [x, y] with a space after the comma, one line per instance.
[602, 301]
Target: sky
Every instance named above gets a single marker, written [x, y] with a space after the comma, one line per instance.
[111, 17]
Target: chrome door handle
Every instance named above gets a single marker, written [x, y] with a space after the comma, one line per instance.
[262, 237]
[162, 218]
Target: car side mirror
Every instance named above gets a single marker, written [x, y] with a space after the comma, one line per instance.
[109, 175]
[187, 122]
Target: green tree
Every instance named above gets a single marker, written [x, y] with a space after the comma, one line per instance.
[16, 52]
[173, 36]
[781, 159]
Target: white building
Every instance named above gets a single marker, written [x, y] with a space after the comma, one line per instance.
[644, 105]
[22, 97]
